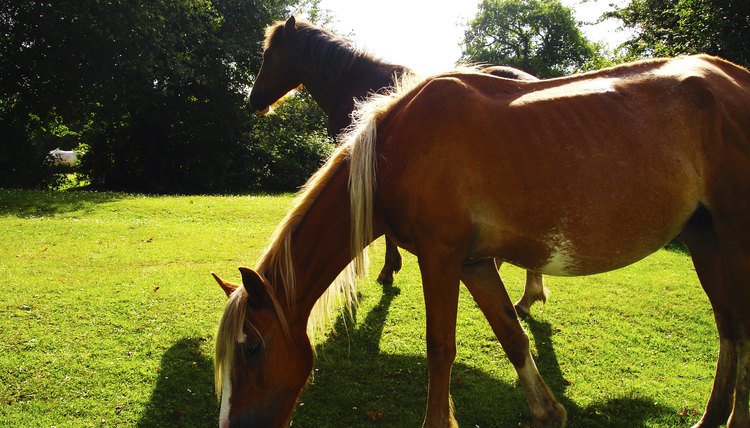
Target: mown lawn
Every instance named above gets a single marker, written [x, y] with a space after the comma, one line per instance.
[107, 317]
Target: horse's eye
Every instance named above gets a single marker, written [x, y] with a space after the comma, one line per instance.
[252, 348]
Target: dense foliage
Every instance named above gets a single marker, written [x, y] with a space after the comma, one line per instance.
[286, 147]
[538, 36]
[673, 27]
[152, 92]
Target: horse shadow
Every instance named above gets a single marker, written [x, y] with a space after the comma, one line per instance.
[355, 385]
[184, 394]
[617, 412]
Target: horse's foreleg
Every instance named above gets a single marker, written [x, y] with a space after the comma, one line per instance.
[440, 283]
[392, 263]
[488, 291]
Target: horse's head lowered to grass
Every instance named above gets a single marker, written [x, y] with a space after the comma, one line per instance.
[264, 355]
[262, 365]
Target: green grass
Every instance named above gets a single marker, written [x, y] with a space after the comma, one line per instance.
[107, 317]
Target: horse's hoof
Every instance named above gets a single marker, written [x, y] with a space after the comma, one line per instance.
[522, 312]
[385, 279]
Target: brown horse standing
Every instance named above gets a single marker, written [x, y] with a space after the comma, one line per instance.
[336, 75]
[569, 176]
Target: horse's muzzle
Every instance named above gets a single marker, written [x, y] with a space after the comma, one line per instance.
[258, 103]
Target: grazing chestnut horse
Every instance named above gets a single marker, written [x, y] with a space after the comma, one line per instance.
[569, 176]
[336, 75]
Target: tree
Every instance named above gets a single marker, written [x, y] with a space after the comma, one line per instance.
[288, 146]
[538, 36]
[153, 91]
[673, 27]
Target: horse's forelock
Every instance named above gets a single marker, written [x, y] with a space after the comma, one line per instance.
[230, 329]
[273, 33]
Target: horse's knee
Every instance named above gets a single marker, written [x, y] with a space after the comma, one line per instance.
[516, 348]
[441, 351]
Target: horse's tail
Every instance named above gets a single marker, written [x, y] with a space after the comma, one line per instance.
[361, 138]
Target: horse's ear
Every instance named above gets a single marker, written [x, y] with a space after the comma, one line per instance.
[227, 286]
[291, 26]
[254, 284]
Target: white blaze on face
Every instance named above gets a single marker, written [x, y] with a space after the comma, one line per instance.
[226, 390]
[226, 395]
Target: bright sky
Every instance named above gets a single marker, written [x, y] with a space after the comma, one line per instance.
[425, 34]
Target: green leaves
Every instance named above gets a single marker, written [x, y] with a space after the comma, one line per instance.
[538, 36]
[155, 90]
[674, 27]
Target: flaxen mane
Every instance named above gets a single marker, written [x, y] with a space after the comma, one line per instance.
[276, 261]
[361, 137]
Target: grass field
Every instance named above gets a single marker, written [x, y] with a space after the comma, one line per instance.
[107, 317]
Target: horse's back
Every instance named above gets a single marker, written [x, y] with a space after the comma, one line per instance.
[665, 105]
[539, 165]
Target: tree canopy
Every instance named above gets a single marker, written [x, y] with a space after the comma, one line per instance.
[673, 27]
[153, 92]
[538, 36]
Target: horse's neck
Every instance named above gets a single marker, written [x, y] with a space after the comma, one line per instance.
[336, 99]
[320, 244]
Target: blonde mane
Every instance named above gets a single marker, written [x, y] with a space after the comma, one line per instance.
[361, 137]
[359, 151]
[277, 258]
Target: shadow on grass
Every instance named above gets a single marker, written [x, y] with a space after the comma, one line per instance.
[42, 203]
[618, 412]
[184, 394]
[355, 385]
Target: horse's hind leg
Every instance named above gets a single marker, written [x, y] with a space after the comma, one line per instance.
[734, 236]
[392, 263]
[740, 270]
[488, 291]
[713, 271]
[740, 415]
[534, 291]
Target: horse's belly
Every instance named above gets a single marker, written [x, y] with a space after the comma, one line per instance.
[583, 244]
[565, 259]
